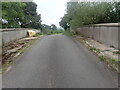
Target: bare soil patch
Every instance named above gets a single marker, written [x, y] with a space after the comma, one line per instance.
[14, 49]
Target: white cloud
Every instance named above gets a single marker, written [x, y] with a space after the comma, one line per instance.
[51, 10]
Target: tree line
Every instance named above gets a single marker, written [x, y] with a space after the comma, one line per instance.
[20, 15]
[86, 13]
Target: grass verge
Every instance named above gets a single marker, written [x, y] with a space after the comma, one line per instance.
[68, 33]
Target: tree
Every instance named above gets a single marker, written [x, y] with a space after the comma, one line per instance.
[86, 13]
[53, 27]
[113, 15]
[65, 22]
[12, 12]
[31, 19]
[21, 14]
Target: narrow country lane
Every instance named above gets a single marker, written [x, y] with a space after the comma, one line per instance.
[58, 61]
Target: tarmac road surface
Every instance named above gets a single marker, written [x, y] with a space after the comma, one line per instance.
[59, 61]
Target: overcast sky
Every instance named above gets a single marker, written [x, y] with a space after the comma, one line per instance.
[51, 10]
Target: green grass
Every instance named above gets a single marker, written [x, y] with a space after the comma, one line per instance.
[99, 42]
[37, 34]
[68, 33]
[103, 58]
[112, 46]
[51, 32]
[110, 61]
[116, 52]
[95, 50]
